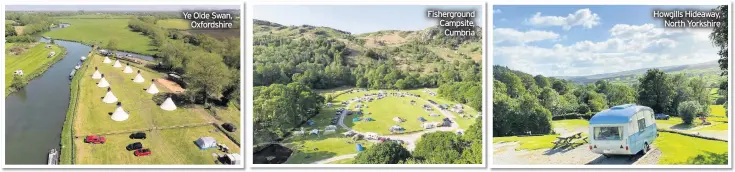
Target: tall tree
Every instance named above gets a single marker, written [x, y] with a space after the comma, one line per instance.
[208, 75]
[383, 153]
[655, 91]
[719, 37]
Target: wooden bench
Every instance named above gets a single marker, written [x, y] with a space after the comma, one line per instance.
[567, 139]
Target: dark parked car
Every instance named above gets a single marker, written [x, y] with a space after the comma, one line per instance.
[229, 127]
[662, 116]
[138, 135]
[134, 146]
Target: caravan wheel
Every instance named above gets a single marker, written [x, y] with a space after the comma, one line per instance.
[646, 148]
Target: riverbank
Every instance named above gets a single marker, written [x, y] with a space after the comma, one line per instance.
[67, 131]
[29, 68]
[102, 31]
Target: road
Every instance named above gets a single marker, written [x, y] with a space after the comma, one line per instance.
[409, 139]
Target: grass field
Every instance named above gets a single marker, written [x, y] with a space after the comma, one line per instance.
[96, 31]
[384, 110]
[174, 24]
[172, 146]
[93, 114]
[232, 115]
[717, 110]
[315, 148]
[570, 124]
[33, 60]
[529, 142]
[680, 149]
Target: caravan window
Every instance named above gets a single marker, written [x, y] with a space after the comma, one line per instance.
[608, 133]
[641, 124]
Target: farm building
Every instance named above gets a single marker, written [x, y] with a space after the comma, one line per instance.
[168, 104]
[206, 142]
[109, 97]
[119, 114]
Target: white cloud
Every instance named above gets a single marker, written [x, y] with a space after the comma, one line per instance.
[497, 11]
[628, 47]
[583, 18]
[518, 37]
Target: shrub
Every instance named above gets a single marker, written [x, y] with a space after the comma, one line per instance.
[688, 110]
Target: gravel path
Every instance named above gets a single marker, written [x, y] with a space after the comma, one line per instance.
[505, 154]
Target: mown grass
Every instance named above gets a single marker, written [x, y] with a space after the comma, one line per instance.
[717, 110]
[570, 124]
[67, 131]
[529, 142]
[34, 61]
[174, 24]
[101, 31]
[314, 148]
[169, 146]
[232, 115]
[384, 110]
[680, 149]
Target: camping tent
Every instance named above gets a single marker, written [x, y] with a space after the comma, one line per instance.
[117, 64]
[128, 69]
[359, 148]
[109, 97]
[396, 128]
[397, 119]
[331, 127]
[428, 125]
[206, 142]
[152, 89]
[314, 131]
[433, 114]
[369, 119]
[107, 60]
[168, 104]
[460, 132]
[103, 82]
[119, 114]
[138, 78]
[355, 119]
[96, 74]
[371, 136]
[422, 119]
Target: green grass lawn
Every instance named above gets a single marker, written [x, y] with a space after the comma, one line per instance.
[464, 123]
[529, 142]
[717, 110]
[33, 61]
[232, 115]
[680, 149]
[94, 31]
[93, 114]
[312, 148]
[384, 110]
[570, 124]
[171, 146]
[174, 24]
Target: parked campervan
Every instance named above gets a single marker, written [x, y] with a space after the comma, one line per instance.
[623, 130]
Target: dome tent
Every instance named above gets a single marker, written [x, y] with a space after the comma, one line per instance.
[206, 142]
[103, 82]
[152, 89]
[119, 114]
[168, 104]
[128, 69]
[109, 97]
[117, 64]
[96, 74]
[138, 78]
[107, 60]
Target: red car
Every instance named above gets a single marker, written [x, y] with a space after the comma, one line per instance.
[142, 152]
[95, 139]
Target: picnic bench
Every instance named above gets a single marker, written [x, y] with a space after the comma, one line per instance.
[568, 138]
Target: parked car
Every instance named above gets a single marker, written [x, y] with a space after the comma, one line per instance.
[229, 127]
[662, 116]
[134, 146]
[142, 152]
[138, 135]
[95, 139]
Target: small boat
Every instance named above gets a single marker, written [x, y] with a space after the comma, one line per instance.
[71, 75]
[84, 58]
[78, 66]
[53, 157]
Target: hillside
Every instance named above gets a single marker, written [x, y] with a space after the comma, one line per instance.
[420, 50]
[705, 69]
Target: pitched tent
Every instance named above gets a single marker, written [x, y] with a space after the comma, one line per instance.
[103, 82]
[168, 104]
[117, 64]
[429, 125]
[433, 114]
[359, 148]
[422, 119]
[119, 114]
[128, 69]
[369, 119]
[355, 119]
[314, 131]
[397, 119]
[109, 97]
[152, 89]
[138, 78]
[205, 143]
[107, 60]
[331, 127]
[96, 74]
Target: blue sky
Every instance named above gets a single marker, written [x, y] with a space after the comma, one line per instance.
[356, 18]
[564, 40]
[116, 7]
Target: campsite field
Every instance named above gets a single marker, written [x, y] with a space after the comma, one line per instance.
[174, 24]
[169, 146]
[32, 59]
[314, 148]
[232, 115]
[384, 110]
[101, 31]
[681, 149]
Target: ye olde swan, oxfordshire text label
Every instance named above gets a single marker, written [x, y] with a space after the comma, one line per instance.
[208, 19]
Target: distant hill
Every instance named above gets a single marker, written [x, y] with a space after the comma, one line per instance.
[700, 69]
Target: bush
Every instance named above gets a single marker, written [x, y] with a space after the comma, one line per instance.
[688, 110]
[383, 153]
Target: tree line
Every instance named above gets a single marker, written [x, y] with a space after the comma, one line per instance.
[523, 103]
[31, 23]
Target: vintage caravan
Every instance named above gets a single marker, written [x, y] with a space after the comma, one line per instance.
[622, 130]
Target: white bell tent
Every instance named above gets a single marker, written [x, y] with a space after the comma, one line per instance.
[168, 104]
[117, 64]
[96, 74]
[109, 97]
[119, 114]
[152, 89]
[138, 78]
[103, 82]
[128, 69]
[107, 60]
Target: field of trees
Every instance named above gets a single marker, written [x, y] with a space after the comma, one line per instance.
[291, 62]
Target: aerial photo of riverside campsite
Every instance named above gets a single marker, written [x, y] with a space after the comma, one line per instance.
[367, 84]
[122, 84]
[589, 85]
